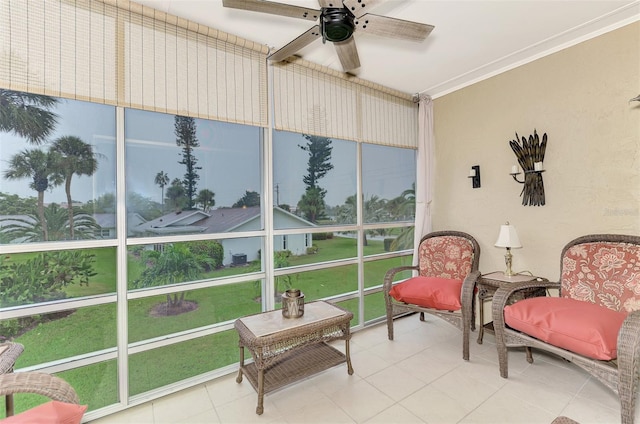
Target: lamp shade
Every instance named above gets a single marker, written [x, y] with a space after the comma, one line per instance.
[508, 237]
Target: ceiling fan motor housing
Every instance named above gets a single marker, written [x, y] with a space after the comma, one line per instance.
[337, 24]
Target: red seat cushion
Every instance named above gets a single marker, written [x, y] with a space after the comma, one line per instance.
[53, 412]
[581, 327]
[429, 292]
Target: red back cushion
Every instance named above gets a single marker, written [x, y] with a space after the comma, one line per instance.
[603, 273]
[574, 325]
[445, 257]
[53, 412]
[429, 292]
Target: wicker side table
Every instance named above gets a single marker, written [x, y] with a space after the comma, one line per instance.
[9, 353]
[285, 350]
[489, 283]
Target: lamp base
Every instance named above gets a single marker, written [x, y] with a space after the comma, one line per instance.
[508, 259]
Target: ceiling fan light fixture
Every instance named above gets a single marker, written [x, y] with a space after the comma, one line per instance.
[336, 21]
[337, 24]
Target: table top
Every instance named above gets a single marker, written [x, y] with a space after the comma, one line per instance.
[498, 277]
[272, 322]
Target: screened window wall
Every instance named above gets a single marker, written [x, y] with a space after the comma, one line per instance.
[145, 206]
[193, 234]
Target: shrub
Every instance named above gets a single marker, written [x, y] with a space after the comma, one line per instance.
[322, 236]
[44, 277]
[210, 249]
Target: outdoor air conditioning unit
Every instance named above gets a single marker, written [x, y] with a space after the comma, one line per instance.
[238, 259]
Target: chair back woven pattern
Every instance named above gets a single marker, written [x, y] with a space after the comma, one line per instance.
[445, 257]
[603, 273]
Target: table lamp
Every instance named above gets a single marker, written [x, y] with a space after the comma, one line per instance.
[508, 238]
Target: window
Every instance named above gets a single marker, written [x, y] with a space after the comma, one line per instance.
[66, 178]
[193, 242]
[192, 192]
[388, 183]
[313, 176]
[200, 176]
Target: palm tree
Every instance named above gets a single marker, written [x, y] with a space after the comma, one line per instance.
[374, 210]
[206, 198]
[312, 204]
[175, 265]
[408, 207]
[409, 204]
[30, 229]
[37, 165]
[162, 180]
[75, 158]
[176, 195]
[27, 114]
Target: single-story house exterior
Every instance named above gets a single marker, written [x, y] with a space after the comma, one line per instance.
[107, 223]
[223, 220]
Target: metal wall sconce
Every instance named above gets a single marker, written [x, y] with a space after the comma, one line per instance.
[530, 155]
[474, 174]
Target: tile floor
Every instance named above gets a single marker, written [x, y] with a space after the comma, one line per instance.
[420, 377]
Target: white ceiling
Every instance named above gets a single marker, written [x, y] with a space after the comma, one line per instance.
[472, 39]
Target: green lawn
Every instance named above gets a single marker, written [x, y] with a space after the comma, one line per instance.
[94, 328]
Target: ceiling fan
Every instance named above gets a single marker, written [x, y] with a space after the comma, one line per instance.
[337, 21]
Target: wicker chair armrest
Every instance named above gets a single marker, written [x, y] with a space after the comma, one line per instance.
[469, 287]
[9, 355]
[43, 384]
[629, 354]
[388, 277]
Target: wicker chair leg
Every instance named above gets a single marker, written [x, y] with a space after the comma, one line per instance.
[501, 346]
[628, 368]
[527, 349]
[465, 342]
[9, 405]
[627, 408]
[390, 321]
[467, 325]
[473, 315]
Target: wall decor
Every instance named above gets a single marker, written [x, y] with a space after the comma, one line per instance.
[530, 155]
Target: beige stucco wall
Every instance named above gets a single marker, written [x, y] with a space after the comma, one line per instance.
[580, 97]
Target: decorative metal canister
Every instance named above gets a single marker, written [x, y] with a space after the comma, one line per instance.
[292, 303]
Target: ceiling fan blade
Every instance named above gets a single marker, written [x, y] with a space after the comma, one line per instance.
[303, 40]
[348, 54]
[392, 27]
[330, 3]
[360, 7]
[274, 8]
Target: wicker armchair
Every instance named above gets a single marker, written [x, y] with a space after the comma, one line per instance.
[451, 255]
[39, 383]
[599, 274]
[9, 353]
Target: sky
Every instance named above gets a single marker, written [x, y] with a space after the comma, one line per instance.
[229, 155]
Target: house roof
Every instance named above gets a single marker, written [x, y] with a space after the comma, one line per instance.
[227, 219]
[108, 220]
[219, 220]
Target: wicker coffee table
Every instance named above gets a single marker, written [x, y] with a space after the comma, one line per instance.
[285, 350]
